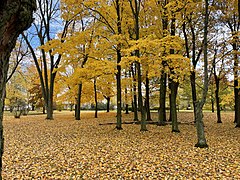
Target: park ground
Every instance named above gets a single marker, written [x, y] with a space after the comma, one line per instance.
[64, 148]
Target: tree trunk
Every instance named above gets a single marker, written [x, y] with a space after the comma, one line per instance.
[44, 109]
[236, 88]
[4, 64]
[217, 81]
[78, 109]
[202, 143]
[194, 91]
[108, 104]
[33, 108]
[173, 107]
[118, 75]
[147, 102]
[119, 96]
[135, 104]
[162, 101]
[15, 18]
[95, 99]
[50, 97]
[126, 109]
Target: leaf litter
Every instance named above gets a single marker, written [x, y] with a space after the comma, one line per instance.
[64, 148]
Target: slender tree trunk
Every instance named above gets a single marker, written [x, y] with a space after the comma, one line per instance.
[44, 109]
[236, 86]
[217, 82]
[194, 92]
[202, 143]
[132, 106]
[118, 76]
[108, 104]
[78, 109]
[127, 109]
[119, 96]
[95, 98]
[135, 105]
[147, 104]
[15, 17]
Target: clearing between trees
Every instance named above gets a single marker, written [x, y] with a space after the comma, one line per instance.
[65, 148]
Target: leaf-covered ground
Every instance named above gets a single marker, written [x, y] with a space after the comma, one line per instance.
[64, 148]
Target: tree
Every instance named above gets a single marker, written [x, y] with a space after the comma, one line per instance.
[15, 17]
[202, 143]
[42, 31]
[192, 32]
[230, 18]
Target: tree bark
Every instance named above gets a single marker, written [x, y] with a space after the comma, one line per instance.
[118, 75]
[127, 109]
[236, 88]
[15, 17]
[162, 100]
[78, 109]
[194, 92]
[217, 82]
[95, 99]
[202, 143]
[163, 80]
[108, 104]
[135, 104]
[173, 107]
[147, 102]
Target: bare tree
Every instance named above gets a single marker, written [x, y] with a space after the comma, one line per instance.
[44, 30]
[202, 143]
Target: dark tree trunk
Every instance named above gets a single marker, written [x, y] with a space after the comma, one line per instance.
[15, 17]
[33, 108]
[126, 109]
[132, 109]
[163, 80]
[194, 91]
[119, 96]
[118, 76]
[108, 104]
[78, 109]
[173, 88]
[135, 105]
[173, 106]
[217, 82]
[236, 88]
[75, 110]
[44, 110]
[95, 99]
[147, 102]
[162, 101]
